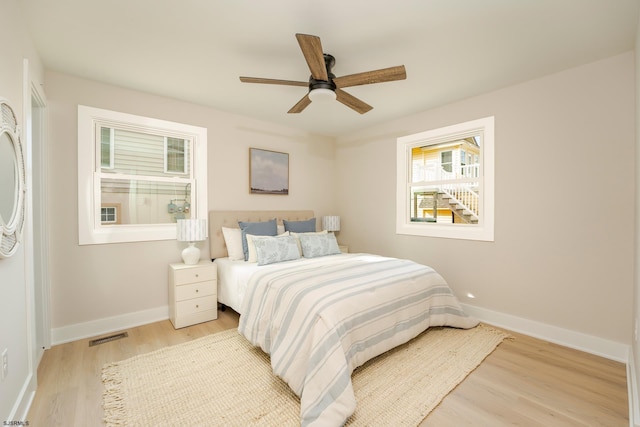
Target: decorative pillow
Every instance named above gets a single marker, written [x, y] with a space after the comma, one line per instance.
[297, 236]
[233, 240]
[270, 250]
[253, 256]
[306, 226]
[316, 245]
[267, 228]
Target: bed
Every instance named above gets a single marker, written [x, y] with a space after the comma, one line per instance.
[321, 315]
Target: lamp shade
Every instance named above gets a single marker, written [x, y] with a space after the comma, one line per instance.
[331, 223]
[192, 230]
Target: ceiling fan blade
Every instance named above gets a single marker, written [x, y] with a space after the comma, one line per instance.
[273, 81]
[301, 105]
[368, 77]
[313, 54]
[352, 102]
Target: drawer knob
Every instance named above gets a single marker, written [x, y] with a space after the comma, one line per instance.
[197, 275]
[197, 291]
[197, 306]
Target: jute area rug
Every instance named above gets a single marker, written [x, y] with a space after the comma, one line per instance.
[221, 380]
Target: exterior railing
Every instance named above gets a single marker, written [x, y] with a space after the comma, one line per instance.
[463, 193]
[437, 173]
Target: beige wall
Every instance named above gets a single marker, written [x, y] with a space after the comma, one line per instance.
[95, 282]
[567, 139]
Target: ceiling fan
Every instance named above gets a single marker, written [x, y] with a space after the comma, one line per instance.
[323, 83]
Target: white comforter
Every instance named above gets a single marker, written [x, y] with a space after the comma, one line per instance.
[321, 318]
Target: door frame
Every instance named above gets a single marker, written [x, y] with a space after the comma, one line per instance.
[36, 235]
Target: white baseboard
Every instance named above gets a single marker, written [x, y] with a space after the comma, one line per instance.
[591, 344]
[634, 396]
[108, 324]
[23, 403]
[577, 340]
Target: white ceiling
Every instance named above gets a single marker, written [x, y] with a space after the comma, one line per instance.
[195, 50]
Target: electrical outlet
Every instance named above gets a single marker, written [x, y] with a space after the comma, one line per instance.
[5, 364]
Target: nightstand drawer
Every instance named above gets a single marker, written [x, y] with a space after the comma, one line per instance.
[196, 305]
[195, 274]
[195, 290]
[193, 318]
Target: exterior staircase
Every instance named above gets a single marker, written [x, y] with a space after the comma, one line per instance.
[457, 189]
[463, 202]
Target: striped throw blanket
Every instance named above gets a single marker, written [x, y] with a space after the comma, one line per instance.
[321, 318]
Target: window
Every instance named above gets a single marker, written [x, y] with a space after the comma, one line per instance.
[106, 147]
[109, 215]
[445, 182]
[175, 155]
[446, 160]
[137, 176]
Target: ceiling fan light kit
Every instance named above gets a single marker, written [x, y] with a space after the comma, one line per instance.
[324, 85]
[322, 95]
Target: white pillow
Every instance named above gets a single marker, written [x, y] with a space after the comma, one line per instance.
[253, 256]
[233, 240]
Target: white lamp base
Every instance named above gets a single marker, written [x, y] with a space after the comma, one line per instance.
[191, 254]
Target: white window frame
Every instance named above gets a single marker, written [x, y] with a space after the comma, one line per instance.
[90, 229]
[484, 230]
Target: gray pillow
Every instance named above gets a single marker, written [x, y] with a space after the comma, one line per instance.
[270, 250]
[315, 245]
[266, 228]
[305, 226]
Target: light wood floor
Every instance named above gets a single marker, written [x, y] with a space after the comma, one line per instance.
[524, 382]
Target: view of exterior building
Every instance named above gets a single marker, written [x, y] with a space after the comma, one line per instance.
[145, 178]
[445, 185]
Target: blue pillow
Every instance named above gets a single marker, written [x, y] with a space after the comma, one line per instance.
[267, 228]
[306, 226]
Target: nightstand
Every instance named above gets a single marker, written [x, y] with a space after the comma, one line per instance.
[343, 248]
[193, 293]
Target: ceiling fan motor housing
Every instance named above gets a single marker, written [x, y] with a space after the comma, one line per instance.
[329, 62]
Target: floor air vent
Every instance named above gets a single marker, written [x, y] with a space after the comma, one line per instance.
[107, 339]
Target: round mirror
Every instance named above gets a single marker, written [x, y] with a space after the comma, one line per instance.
[12, 182]
[8, 179]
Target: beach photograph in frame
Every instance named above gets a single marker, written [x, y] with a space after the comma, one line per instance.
[268, 172]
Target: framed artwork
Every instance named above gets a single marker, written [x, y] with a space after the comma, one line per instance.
[268, 172]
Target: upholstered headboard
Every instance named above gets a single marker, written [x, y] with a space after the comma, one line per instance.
[218, 219]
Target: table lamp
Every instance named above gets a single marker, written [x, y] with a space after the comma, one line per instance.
[191, 230]
[331, 223]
